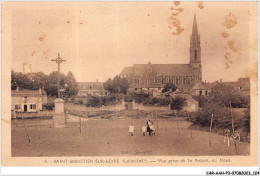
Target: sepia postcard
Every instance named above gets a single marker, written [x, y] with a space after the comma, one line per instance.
[140, 83]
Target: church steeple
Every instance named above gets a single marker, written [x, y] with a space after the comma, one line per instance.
[195, 50]
[195, 27]
[195, 43]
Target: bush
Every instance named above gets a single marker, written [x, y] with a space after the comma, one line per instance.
[177, 103]
[201, 99]
[246, 124]
[169, 87]
[164, 102]
[48, 106]
[78, 101]
[94, 101]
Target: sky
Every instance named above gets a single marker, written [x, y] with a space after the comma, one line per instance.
[99, 39]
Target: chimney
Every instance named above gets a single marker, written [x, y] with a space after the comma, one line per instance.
[220, 80]
[40, 91]
[17, 89]
[205, 81]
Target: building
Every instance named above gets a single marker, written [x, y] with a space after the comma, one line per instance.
[202, 88]
[28, 100]
[91, 88]
[242, 85]
[155, 76]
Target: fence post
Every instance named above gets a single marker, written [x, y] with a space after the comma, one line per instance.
[157, 119]
[210, 129]
[235, 145]
[52, 120]
[80, 125]
[232, 119]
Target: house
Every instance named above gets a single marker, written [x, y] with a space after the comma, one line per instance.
[153, 77]
[28, 100]
[202, 88]
[242, 85]
[91, 88]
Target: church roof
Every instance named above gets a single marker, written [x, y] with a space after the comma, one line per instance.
[127, 71]
[160, 69]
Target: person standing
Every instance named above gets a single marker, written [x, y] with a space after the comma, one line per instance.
[144, 129]
[131, 129]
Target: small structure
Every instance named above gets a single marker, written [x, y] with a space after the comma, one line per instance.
[91, 88]
[202, 88]
[190, 104]
[28, 100]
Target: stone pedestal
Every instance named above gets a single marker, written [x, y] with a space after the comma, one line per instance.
[59, 116]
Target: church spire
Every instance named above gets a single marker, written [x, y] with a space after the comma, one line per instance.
[195, 50]
[195, 27]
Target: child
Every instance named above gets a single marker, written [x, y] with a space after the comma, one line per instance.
[144, 129]
[131, 129]
[152, 128]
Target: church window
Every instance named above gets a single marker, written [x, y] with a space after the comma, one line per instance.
[195, 55]
[206, 92]
[153, 79]
[200, 92]
[167, 80]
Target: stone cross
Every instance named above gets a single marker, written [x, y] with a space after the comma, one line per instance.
[58, 60]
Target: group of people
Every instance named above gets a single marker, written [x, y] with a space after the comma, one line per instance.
[148, 127]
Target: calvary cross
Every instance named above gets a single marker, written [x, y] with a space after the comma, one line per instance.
[58, 60]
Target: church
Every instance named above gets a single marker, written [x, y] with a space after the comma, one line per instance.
[155, 76]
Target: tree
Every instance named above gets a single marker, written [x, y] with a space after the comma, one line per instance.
[117, 85]
[72, 87]
[225, 94]
[177, 103]
[18, 79]
[169, 87]
[38, 80]
[52, 83]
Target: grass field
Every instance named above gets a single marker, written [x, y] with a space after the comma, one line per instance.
[104, 137]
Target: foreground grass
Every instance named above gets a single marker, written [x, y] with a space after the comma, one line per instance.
[102, 137]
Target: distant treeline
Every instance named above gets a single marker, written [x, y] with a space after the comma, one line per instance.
[49, 83]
